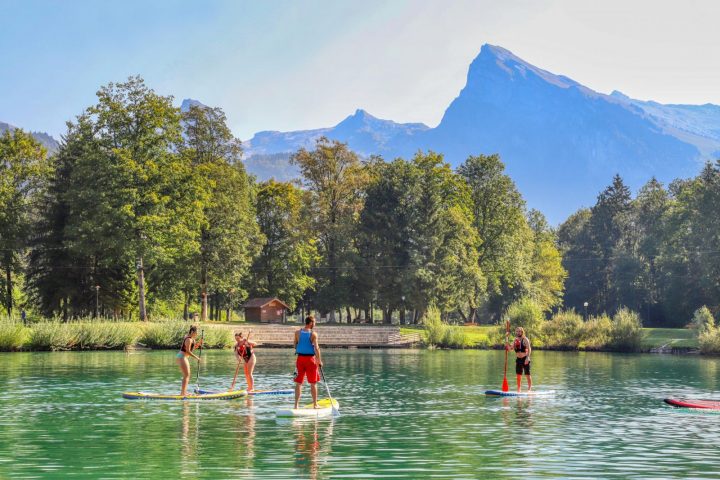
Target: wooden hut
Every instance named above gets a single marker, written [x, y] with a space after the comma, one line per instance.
[266, 310]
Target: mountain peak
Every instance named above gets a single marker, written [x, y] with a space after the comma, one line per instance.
[190, 102]
[497, 62]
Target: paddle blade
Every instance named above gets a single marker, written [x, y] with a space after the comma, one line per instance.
[505, 386]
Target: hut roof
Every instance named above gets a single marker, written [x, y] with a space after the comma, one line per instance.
[261, 302]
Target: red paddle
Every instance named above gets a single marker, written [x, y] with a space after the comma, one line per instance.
[505, 386]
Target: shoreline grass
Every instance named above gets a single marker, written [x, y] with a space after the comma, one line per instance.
[103, 335]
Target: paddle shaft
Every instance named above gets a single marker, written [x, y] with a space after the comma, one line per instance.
[197, 374]
[505, 386]
[327, 389]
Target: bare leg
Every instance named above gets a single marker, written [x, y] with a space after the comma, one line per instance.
[249, 369]
[298, 388]
[529, 381]
[185, 369]
[519, 382]
[313, 392]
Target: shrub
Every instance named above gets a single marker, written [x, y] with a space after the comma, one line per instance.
[435, 328]
[596, 333]
[439, 334]
[627, 333]
[703, 321]
[163, 334]
[216, 337]
[710, 341]
[456, 337]
[13, 335]
[106, 335]
[52, 336]
[526, 313]
[563, 330]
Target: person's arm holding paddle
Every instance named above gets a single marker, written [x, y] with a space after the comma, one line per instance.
[191, 345]
[314, 340]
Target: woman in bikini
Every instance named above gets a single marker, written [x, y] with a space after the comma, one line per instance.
[244, 349]
[186, 350]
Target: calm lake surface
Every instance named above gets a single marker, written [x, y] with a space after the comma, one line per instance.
[405, 414]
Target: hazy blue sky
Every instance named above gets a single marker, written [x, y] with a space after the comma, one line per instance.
[285, 65]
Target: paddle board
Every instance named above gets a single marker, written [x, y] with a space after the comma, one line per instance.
[532, 393]
[693, 403]
[288, 391]
[190, 396]
[325, 408]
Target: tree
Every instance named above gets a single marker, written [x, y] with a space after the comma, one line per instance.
[384, 239]
[335, 178]
[229, 233]
[282, 269]
[547, 281]
[442, 251]
[23, 170]
[131, 205]
[505, 240]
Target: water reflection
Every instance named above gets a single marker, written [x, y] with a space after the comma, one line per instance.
[190, 434]
[313, 440]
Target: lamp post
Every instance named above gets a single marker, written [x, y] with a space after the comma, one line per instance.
[97, 301]
[402, 318]
[585, 305]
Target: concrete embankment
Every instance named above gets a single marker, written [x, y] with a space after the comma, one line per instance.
[357, 336]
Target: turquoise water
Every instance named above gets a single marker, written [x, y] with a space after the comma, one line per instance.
[405, 414]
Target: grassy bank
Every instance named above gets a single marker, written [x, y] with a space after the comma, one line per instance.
[98, 335]
[486, 336]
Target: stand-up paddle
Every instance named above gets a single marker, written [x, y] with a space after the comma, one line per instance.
[237, 369]
[505, 386]
[197, 374]
[335, 410]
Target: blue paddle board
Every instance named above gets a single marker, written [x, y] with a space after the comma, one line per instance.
[532, 393]
[288, 391]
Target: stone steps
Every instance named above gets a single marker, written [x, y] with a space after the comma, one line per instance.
[380, 336]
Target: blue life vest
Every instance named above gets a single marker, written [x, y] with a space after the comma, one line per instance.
[305, 346]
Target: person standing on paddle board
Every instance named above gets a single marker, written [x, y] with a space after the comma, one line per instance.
[186, 350]
[307, 349]
[522, 362]
[244, 349]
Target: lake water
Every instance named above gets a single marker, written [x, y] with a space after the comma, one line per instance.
[405, 414]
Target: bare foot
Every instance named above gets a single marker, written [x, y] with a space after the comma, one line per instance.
[315, 406]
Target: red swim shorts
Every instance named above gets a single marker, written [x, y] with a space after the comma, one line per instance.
[305, 365]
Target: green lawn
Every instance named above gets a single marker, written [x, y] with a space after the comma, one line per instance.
[654, 337]
[672, 337]
[476, 334]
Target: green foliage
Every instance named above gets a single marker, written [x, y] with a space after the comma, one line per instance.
[282, 268]
[435, 328]
[335, 178]
[703, 321]
[105, 335]
[53, 335]
[163, 334]
[216, 337]
[596, 333]
[13, 335]
[439, 334]
[563, 330]
[23, 170]
[626, 334]
[505, 249]
[527, 313]
[710, 342]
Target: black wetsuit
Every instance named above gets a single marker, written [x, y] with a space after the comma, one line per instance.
[520, 365]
